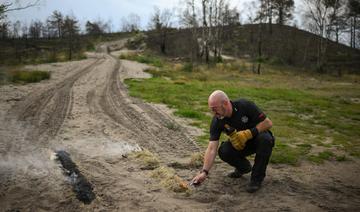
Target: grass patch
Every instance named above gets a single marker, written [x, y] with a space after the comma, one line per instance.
[285, 154]
[305, 108]
[143, 58]
[321, 156]
[172, 126]
[187, 67]
[28, 76]
[341, 158]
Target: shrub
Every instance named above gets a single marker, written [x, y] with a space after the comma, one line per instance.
[28, 76]
[136, 42]
[188, 67]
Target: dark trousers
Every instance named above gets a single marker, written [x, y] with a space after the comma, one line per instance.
[261, 145]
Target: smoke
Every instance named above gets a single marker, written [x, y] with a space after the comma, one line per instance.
[33, 164]
[94, 147]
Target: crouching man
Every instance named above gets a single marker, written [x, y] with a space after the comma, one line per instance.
[248, 130]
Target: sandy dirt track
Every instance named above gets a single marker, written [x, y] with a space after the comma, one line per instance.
[85, 109]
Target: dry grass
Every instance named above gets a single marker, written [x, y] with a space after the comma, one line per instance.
[147, 159]
[165, 175]
[170, 180]
[196, 159]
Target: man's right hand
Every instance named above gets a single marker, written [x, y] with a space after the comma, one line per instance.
[198, 179]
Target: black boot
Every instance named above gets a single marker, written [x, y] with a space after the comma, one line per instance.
[237, 173]
[253, 186]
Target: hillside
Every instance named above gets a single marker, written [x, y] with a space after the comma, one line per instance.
[282, 44]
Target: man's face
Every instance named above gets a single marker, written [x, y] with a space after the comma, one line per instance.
[218, 109]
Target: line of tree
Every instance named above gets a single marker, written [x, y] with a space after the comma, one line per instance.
[56, 25]
[330, 19]
[336, 20]
[206, 21]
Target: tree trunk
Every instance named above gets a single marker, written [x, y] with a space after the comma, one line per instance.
[354, 31]
[337, 34]
[70, 47]
[259, 68]
[259, 49]
[281, 16]
[204, 34]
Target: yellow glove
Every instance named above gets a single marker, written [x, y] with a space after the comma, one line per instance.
[238, 139]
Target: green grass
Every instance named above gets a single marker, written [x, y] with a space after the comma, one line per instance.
[325, 155]
[305, 109]
[28, 76]
[283, 153]
[143, 58]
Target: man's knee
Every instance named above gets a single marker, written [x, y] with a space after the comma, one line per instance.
[265, 143]
[225, 151]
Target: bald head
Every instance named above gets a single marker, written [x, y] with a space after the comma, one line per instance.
[217, 97]
[219, 104]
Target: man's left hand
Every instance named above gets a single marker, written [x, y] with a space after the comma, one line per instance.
[239, 139]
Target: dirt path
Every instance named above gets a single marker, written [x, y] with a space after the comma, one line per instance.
[85, 109]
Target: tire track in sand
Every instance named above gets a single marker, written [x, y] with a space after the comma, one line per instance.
[147, 124]
[45, 112]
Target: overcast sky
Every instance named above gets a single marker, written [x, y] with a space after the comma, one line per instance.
[105, 10]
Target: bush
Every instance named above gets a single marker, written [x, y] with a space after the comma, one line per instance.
[188, 67]
[148, 59]
[219, 59]
[28, 76]
[137, 42]
[143, 58]
[90, 46]
[276, 61]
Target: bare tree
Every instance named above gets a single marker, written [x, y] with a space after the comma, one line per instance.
[205, 30]
[24, 31]
[131, 23]
[231, 16]
[16, 27]
[265, 12]
[318, 13]
[188, 19]
[261, 17]
[337, 18]
[8, 6]
[70, 31]
[221, 19]
[215, 15]
[56, 23]
[283, 10]
[160, 22]
[4, 30]
[97, 27]
[353, 7]
[36, 29]
[250, 12]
